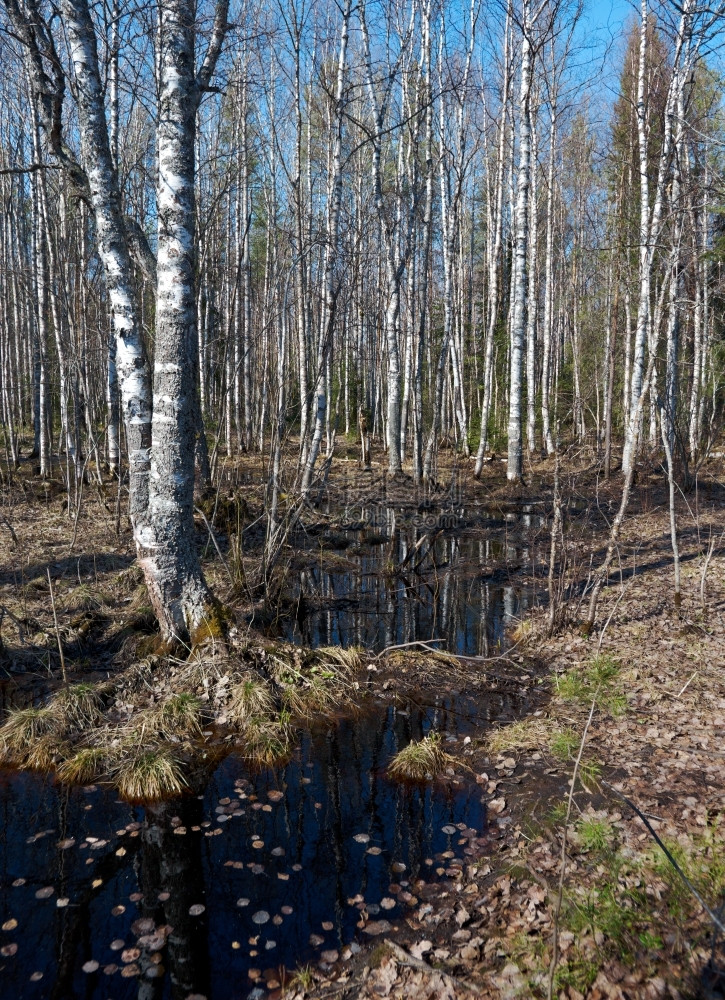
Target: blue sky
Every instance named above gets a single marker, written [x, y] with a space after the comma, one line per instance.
[602, 16]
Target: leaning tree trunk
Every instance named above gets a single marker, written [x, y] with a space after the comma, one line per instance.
[167, 549]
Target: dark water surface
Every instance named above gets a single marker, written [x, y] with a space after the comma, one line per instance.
[244, 873]
[270, 870]
[364, 586]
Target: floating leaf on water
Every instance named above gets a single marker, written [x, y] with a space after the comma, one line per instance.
[152, 942]
[63, 845]
[10, 925]
[36, 977]
[387, 903]
[286, 910]
[120, 853]
[283, 876]
[269, 945]
[448, 829]
[163, 896]
[374, 850]
[129, 971]
[376, 927]
[118, 910]
[278, 852]
[45, 893]
[136, 897]
[62, 901]
[90, 966]
[361, 838]
[117, 944]
[316, 940]
[257, 844]
[327, 925]
[8, 950]
[275, 796]
[277, 920]
[242, 902]
[18, 882]
[296, 868]
[109, 970]
[130, 954]
[236, 945]
[330, 956]
[196, 910]
[254, 974]
[260, 917]
[144, 925]
[398, 866]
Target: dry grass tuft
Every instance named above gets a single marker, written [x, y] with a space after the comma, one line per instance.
[525, 734]
[23, 728]
[347, 661]
[422, 760]
[79, 706]
[318, 683]
[150, 774]
[87, 598]
[180, 715]
[45, 753]
[84, 767]
[267, 742]
[249, 699]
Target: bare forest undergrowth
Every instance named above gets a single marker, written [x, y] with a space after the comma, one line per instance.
[650, 679]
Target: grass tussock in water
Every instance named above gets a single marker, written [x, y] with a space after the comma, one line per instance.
[319, 682]
[267, 742]
[422, 760]
[143, 744]
[150, 774]
[33, 736]
[45, 753]
[84, 766]
[251, 698]
[23, 728]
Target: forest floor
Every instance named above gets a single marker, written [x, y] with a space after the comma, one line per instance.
[627, 925]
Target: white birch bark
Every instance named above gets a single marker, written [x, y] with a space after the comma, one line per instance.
[131, 366]
[532, 297]
[518, 321]
[330, 290]
[166, 544]
[494, 259]
[651, 219]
